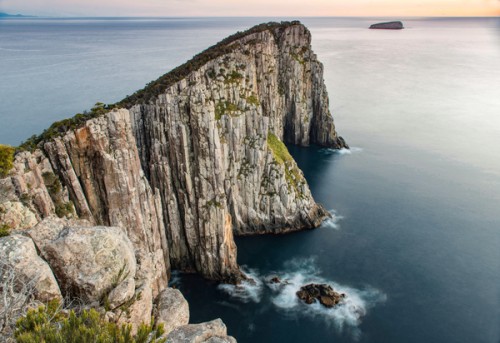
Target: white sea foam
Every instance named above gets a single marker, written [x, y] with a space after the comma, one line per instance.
[248, 290]
[333, 221]
[343, 151]
[347, 315]
[175, 279]
[300, 272]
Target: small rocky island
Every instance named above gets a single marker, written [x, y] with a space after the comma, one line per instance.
[390, 25]
[320, 292]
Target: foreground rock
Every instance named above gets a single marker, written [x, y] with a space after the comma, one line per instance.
[20, 262]
[320, 292]
[89, 262]
[391, 25]
[210, 332]
[171, 309]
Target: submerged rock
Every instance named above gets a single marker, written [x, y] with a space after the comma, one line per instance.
[320, 292]
[390, 25]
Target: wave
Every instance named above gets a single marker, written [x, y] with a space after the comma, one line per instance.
[300, 272]
[343, 151]
[249, 290]
[333, 221]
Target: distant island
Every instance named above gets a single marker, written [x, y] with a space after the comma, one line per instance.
[7, 15]
[390, 25]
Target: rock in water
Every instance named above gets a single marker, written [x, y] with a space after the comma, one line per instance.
[320, 292]
[390, 25]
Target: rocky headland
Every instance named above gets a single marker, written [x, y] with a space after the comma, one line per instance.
[103, 205]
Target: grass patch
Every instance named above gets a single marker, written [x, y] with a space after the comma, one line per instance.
[278, 148]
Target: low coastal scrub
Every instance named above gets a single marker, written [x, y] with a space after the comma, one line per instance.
[50, 324]
[6, 159]
[59, 128]
[156, 87]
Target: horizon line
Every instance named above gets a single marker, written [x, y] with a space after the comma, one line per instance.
[31, 16]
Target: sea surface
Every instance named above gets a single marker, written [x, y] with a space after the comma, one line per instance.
[415, 235]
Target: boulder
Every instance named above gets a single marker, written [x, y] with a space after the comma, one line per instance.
[171, 309]
[320, 292]
[214, 331]
[18, 254]
[90, 261]
[391, 25]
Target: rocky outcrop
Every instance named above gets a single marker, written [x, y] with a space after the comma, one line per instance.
[192, 159]
[210, 332]
[18, 254]
[320, 292]
[391, 25]
[171, 309]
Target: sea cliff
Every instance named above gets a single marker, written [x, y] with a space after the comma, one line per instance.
[196, 157]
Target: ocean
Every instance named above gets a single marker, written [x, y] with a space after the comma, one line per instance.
[415, 235]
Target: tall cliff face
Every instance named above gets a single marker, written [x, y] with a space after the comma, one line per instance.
[200, 160]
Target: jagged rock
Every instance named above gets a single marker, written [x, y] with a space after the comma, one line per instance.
[213, 331]
[90, 261]
[18, 253]
[171, 309]
[391, 25]
[322, 292]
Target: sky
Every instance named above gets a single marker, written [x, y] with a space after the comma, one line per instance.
[281, 8]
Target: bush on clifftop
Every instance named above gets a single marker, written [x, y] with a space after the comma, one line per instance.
[49, 324]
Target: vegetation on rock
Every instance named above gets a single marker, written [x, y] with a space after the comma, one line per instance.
[6, 159]
[50, 324]
[4, 230]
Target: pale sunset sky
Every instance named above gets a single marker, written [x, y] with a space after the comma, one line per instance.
[281, 8]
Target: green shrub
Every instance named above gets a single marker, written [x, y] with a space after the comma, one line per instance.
[50, 325]
[64, 209]
[6, 159]
[4, 230]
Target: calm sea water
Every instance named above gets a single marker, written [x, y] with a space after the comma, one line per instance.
[415, 242]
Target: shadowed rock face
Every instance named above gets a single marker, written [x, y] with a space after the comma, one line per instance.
[391, 25]
[183, 171]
